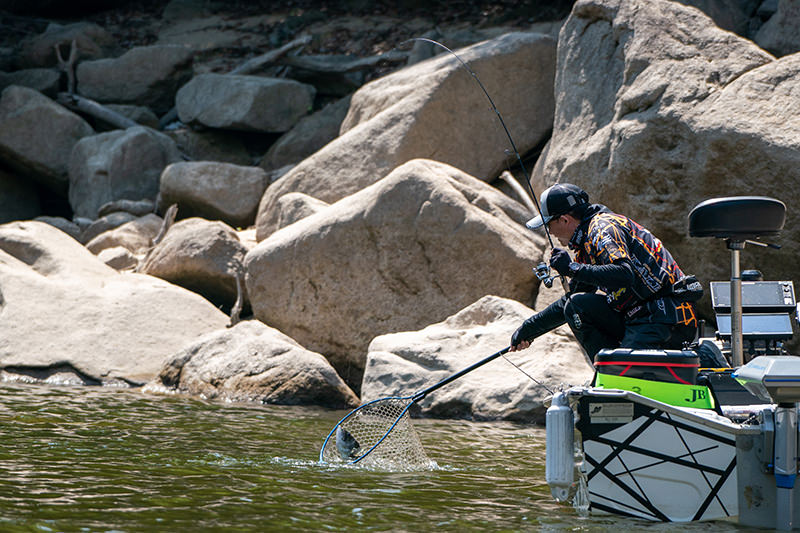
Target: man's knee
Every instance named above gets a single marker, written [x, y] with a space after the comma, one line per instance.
[572, 316]
[583, 308]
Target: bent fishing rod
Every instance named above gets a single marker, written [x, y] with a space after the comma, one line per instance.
[502, 123]
[542, 271]
[527, 180]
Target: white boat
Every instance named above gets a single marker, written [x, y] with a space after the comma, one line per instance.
[657, 438]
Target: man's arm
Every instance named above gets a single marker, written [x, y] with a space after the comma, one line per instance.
[545, 320]
[613, 276]
[610, 276]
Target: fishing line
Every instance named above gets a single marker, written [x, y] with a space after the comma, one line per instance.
[527, 179]
[502, 123]
[529, 376]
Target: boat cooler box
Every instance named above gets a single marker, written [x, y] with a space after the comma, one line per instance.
[668, 366]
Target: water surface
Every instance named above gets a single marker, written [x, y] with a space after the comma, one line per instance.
[102, 459]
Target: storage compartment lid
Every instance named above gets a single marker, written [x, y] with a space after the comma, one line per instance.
[660, 357]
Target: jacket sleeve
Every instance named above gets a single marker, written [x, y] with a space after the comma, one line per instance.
[611, 276]
[545, 320]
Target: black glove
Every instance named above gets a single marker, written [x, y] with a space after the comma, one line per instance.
[526, 332]
[560, 261]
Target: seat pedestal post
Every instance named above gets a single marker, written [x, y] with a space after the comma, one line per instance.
[737, 342]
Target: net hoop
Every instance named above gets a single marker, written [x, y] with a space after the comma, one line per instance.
[382, 426]
[353, 413]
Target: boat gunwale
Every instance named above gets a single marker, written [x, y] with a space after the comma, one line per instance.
[718, 421]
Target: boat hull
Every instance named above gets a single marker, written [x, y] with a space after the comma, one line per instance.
[647, 459]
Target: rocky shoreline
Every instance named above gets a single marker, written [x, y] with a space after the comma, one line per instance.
[300, 227]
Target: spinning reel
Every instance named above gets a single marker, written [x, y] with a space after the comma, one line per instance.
[542, 271]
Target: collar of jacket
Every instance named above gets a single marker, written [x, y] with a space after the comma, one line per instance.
[579, 237]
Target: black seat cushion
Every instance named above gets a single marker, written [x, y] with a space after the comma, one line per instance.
[737, 217]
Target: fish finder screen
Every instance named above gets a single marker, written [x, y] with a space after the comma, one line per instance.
[761, 325]
[763, 294]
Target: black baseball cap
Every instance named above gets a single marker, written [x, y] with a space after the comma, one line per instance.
[558, 200]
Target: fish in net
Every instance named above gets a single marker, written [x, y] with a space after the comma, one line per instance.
[378, 434]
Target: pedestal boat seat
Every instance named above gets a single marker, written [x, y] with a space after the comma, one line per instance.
[740, 220]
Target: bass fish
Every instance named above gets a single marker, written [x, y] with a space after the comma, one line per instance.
[346, 444]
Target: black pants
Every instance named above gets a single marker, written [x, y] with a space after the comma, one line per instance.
[597, 326]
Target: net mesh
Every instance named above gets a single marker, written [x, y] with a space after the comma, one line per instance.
[353, 438]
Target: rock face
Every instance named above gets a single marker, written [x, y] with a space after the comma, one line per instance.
[214, 190]
[202, 256]
[37, 135]
[246, 103]
[253, 362]
[434, 110]
[659, 109]
[120, 164]
[407, 251]
[145, 75]
[62, 308]
[404, 363]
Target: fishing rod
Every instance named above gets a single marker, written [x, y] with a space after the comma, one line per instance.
[502, 123]
[542, 271]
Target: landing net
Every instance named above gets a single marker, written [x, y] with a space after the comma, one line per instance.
[378, 435]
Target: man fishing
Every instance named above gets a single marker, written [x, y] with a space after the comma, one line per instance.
[637, 305]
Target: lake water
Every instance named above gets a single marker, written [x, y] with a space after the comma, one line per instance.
[101, 459]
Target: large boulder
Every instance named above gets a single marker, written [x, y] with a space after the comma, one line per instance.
[202, 256]
[145, 75]
[218, 191]
[400, 364]
[119, 164]
[246, 103]
[37, 136]
[66, 312]
[405, 252]
[253, 362]
[659, 109]
[433, 110]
